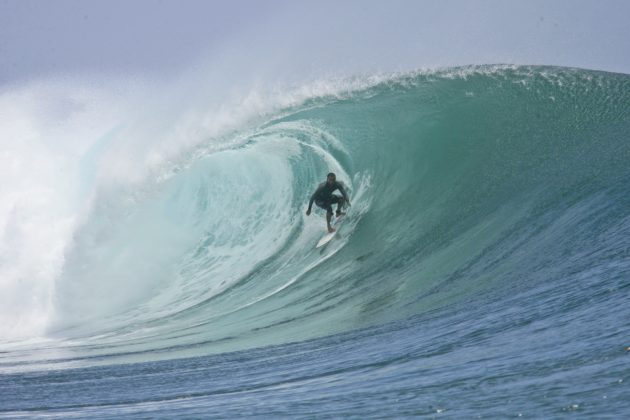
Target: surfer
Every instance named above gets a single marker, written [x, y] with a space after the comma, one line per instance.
[324, 198]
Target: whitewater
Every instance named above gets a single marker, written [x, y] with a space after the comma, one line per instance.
[156, 259]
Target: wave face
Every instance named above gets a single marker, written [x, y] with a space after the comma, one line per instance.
[490, 215]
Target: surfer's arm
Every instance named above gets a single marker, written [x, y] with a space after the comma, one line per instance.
[343, 192]
[310, 203]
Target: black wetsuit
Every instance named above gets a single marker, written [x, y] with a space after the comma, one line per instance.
[325, 198]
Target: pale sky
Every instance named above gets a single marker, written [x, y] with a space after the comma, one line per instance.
[39, 39]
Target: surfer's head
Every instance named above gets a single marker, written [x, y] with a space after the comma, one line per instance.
[331, 178]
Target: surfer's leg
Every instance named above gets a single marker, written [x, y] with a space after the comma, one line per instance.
[340, 202]
[328, 218]
[329, 213]
[326, 205]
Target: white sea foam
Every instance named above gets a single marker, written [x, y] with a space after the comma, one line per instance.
[44, 129]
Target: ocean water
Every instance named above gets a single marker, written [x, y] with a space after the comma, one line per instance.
[483, 271]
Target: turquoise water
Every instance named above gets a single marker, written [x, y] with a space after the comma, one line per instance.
[483, 269]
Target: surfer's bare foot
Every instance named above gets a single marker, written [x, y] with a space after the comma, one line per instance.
[330, 229]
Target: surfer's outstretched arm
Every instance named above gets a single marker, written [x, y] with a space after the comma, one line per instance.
[310, 203]
[345, 195]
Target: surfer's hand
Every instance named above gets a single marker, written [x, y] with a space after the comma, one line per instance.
[308, 212]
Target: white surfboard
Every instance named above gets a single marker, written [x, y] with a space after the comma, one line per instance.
[328, 237]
